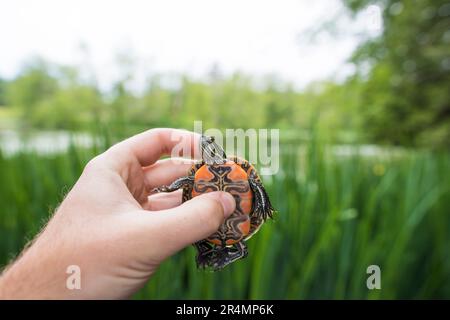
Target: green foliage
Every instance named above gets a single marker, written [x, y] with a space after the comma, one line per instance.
[57, 112]
[2, 92]
[55, 97]
[406, 96]
[33, 86]
[336, 216]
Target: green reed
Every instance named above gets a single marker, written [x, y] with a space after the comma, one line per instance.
[336, 216]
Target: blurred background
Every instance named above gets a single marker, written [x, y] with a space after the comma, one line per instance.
[358, 88]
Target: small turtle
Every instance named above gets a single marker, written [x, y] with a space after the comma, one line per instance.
[238, 177]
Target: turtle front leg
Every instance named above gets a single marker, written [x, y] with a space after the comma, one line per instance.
[177, 184]
[186, 183]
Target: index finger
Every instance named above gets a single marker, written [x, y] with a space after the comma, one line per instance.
[147, 147]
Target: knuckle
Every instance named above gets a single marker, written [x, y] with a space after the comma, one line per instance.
[92, 165]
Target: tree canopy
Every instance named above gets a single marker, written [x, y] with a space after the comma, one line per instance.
[406, 95]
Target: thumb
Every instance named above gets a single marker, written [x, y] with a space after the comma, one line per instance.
[195, 219]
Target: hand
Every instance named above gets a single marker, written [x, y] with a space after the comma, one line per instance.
[111, 228]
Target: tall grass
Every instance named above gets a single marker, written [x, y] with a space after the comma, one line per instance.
[336, 216]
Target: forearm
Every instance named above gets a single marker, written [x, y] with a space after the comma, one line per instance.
[33, 276]
[38, 273]
[45, 269]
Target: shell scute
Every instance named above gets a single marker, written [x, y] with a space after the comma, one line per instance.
[229, 177]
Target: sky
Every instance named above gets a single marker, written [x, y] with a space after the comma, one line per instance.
[256, 37]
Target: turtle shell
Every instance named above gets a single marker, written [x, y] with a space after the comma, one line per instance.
[230, 177]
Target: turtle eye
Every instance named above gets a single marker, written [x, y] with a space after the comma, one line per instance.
[211, 139]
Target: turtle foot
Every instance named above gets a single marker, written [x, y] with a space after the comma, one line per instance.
[220, 257]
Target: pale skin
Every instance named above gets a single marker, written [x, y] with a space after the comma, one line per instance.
[113, 228]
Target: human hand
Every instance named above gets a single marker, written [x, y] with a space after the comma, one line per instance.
[111, 228]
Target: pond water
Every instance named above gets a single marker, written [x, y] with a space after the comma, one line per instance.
[48, 142]
[42, 142]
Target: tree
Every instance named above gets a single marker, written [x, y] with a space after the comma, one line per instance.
[33, 85]
[406, 95]
[2, 92]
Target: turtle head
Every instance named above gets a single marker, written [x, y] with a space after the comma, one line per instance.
[212, 153]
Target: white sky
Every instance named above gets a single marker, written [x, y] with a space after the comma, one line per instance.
[258, 37]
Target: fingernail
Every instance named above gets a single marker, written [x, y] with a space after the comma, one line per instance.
[227, 201]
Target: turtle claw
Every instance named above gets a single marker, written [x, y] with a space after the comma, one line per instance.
[213, 260]
[219, 257]
[177, 184]
[160, 189]
[204, 260]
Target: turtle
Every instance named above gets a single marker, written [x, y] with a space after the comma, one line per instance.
[217, 172]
